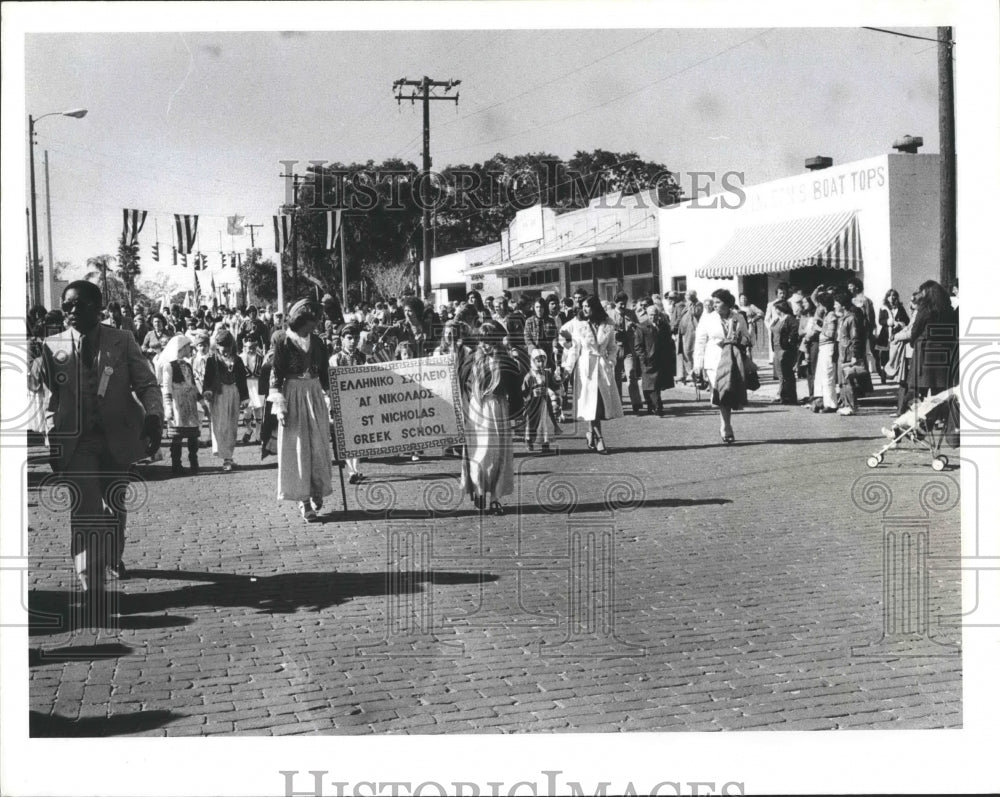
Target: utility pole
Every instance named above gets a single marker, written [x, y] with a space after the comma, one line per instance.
[946, 132]
[251, 228]
[421, 90]
[49, 271]
[343, 262]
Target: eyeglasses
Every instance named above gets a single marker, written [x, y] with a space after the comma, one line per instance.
[69, 307]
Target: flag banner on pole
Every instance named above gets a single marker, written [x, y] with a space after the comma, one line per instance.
[197, 288]
[235, 226]
[282, 232]
[332, 227]
[133, 221]
[187, 232]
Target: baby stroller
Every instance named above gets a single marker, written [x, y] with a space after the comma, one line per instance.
[925, 425]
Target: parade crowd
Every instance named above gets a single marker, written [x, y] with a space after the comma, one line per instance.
[109, 384]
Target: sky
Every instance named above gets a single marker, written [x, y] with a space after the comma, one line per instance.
[199, 122]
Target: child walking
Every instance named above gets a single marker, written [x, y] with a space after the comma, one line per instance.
[225, 391]
[350, 354]
[180, 402]
[541, 402]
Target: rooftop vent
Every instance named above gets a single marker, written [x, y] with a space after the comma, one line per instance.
[819, 162]
[908, 143]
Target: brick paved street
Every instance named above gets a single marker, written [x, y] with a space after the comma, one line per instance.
[675, 585]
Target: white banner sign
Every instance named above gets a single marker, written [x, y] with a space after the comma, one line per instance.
[397, 406]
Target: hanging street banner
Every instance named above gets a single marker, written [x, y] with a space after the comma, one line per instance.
[398, 406]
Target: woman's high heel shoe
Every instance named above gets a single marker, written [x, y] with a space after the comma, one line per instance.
[601, 448]
[590, 441]
[728, 438]
[496, 508]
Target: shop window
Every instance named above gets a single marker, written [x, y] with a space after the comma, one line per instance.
[679, 284]
[574, 273]
[631, 266]
[644, 264]
[586, 271]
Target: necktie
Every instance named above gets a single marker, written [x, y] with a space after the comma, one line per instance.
[86, 351]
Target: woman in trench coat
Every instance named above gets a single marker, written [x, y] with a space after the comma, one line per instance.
[590, 353]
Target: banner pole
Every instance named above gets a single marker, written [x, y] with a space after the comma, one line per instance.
[340, 463]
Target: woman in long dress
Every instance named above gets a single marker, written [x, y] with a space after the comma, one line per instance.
[721, 347]
[590, 354]
[299, 381]
[225, 390]
[494, 406]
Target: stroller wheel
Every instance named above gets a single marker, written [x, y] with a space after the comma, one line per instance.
[938, 463]
[943, 458]
[874, 461]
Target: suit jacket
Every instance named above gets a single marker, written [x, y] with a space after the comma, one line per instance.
[132, 393]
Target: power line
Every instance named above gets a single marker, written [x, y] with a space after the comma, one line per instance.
[908, 35]
[553, 80]
[614, 99]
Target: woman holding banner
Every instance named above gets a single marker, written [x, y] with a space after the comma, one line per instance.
[494, 404]
[299, 381]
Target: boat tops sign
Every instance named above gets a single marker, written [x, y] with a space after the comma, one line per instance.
[398, 406]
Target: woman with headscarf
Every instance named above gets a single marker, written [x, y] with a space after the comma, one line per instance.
[721, 347]
[225, 390]
[590, 352]
[494, 404]
[180, 402]
[299, 381]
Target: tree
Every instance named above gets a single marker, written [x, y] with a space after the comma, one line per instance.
[262, 278]
[151, 291]
[113, 289]
[391, 279]
[128, 265]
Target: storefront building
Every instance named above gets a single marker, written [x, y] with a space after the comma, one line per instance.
[609, 246]
[878, 219]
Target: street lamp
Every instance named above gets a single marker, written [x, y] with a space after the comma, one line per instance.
[36, 281]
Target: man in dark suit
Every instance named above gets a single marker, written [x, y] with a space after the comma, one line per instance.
[105, 413]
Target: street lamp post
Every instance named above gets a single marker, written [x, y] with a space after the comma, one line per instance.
[36, 270]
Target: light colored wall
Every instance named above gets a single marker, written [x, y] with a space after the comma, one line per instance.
[692, 233]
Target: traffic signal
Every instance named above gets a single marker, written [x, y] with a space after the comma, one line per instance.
[222, 259]
[184, 258]
[174, 248]
[156, 252]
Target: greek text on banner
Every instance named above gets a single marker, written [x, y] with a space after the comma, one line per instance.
[397, 406]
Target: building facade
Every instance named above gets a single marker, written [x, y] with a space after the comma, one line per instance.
[877, 218]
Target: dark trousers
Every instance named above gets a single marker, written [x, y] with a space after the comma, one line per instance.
[812, 352]
[787, 392]
[627, 368]
[177, 444]
[653, 401]
[99, 487]
[904, 394]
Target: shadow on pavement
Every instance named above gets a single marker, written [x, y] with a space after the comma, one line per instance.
[287, 592]
[511, 510]
[55, 726]
[58, 612]
[39, 657]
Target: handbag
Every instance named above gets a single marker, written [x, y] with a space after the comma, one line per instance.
[752, 377]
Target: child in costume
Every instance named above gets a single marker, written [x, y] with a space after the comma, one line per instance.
[180, 402]
[541, 402]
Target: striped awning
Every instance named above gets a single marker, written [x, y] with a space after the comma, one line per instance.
[827, 241]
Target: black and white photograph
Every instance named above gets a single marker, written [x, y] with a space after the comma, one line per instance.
[553, 398]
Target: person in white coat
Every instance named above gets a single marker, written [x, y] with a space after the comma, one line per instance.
[721, 343]
[590, 353]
